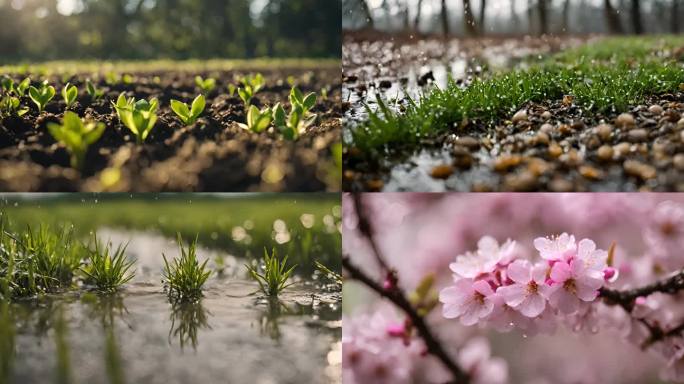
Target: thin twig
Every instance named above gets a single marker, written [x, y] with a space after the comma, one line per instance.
[395, 295]
[367, 231]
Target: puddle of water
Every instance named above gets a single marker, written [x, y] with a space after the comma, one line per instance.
[232, 335]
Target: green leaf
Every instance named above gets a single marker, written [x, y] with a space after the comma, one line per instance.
[181, 109]
[309, 101]
[197, 106]
[296, 96]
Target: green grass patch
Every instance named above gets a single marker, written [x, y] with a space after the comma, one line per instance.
[184, 276]
[105, 268]
[272, 275]
[608, 75]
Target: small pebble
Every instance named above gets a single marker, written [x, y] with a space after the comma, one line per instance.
[523, 182]
[605, 153]
[655, 109]
[506, 162]
[639, 169]
[678, 161]
[555, 150]
[542, 138]
[546, 128]
[561, 185]
[468, 142]
[442, 172]
[680, 124]
[625, 120]
[590, 173]
[564, 129]
[672, 116]
[621, 149]
[568, 99]
[637, 135]
[375, 185]
[521, 115]
[546, 115]
[604, 131]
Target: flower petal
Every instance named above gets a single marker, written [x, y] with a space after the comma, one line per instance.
[519, 271]
[533, 305]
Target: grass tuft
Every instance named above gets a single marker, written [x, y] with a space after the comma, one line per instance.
[105, 270]
[275, 274]
[185, 276]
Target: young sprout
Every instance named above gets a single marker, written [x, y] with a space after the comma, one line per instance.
[21, 88]
[7, 84]
[206, 85]
[92, 91]
[41, 96]
[76, 136]
[275, 274]
[257, 120]
[69, 93]
[231, 89]
[138, 116]
[185, 277]
[107, 271]
[251, 85]
[11, 106]
[189, 115]
[299, 119]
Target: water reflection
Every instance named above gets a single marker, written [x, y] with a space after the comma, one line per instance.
[187, 319]
[7, 343]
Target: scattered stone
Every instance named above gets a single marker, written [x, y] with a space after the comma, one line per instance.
[678, 161]
[385, 84]
[639, 169]
[637, 135]
[560, 184]
[605, 153]
[568, 99]
[625, 120]
[542, 138]
[564, 129]
[680, 124]
[505, 162]
[546, 115]
[555, 150]
[442, 172]
[672, 116]
[655, 109]
[590, 173]
[578, 125]
[519, 116]
[522, 182]
[468, 142]
[621, 149]
[349, 175]
[546, 128]
[604, 131]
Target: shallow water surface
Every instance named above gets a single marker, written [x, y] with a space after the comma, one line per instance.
[233, 335]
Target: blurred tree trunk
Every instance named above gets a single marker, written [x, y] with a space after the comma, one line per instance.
[481, 21]
[612, 17]
[543, 17]
[636, 17]
[566, 16]
[367, 13]
[468, 18]
[514, 14]
[445, 18]
[416, 22]
[674, 17]
[530, 15]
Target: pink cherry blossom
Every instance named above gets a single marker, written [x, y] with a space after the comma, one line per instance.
[571, 283]
[470, 300]
[485, 259]
[475, 358]
[526, 294]
[556, 248]
[593, 258]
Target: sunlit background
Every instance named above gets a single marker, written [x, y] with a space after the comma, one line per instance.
[144, 29]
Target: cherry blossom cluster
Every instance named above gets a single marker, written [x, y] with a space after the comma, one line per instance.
[379, 348]
[496, 285]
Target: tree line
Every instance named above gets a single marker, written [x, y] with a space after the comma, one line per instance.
[534, 16]
[179, 29]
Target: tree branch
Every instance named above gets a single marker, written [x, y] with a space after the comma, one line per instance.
[626, 299]
[395, 295]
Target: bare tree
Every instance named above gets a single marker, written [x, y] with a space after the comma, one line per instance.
[481, 21]
[514, 14]
[445, 18]
[674, 17]
[566, 16]
[366, 12]
[468, 18]
[636, 17]
[543, 17]
[416, 22]
[612, 17]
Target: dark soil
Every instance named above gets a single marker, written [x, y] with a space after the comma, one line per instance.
[214, 154]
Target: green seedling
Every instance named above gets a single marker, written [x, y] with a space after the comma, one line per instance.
[189, 115]
[54, 254]
[251, 85]
[11, 106]
[138, 116]
[257, 120]
[184, 277]
[275, 274]
[42, 95]
[206, 85]
[69, 94]
[300, 117]
[92, 91]
[9, 87]
[231, 90]
[105, 270]
[77, 136]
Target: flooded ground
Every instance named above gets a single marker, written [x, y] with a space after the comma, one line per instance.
[558, 147]
[137, 336]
